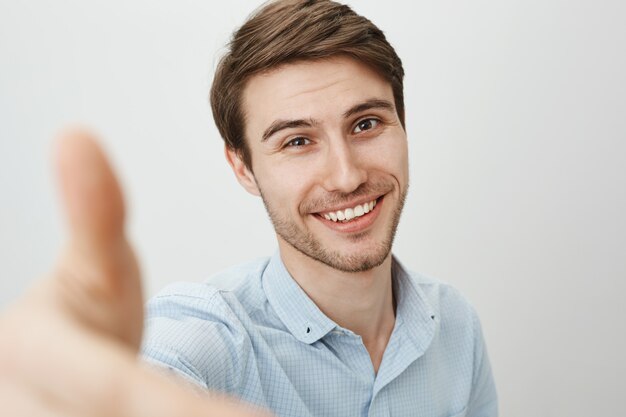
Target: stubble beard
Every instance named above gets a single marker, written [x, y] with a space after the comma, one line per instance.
[306, 243]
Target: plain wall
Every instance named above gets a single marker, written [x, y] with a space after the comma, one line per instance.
[516, 115]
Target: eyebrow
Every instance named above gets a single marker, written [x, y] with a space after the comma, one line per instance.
[373, 103]
[279, 125]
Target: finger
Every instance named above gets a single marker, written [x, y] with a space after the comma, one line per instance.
[91, 194]
[153, 394]
[19, 401]
[97, 278]
[101, 378]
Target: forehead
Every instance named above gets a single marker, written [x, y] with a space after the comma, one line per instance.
[321, 89]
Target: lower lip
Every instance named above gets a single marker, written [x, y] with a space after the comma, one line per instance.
[358, 224]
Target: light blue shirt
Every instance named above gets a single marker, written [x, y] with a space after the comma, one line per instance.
[255, 334]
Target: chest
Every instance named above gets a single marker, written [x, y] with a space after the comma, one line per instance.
[335, 377]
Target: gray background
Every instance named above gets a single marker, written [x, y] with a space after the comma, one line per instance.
[516, 120]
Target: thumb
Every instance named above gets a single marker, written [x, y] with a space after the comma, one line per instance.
[91, 195]
[97, 279]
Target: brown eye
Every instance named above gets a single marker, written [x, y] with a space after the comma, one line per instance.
[366, 124]
[299, 141]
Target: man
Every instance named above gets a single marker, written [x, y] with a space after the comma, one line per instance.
[309, 101]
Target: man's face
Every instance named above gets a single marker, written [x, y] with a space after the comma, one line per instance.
[329, 158]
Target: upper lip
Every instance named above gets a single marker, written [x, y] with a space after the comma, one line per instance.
[358, 202]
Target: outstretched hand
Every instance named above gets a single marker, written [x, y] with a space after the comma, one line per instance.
[69, 346]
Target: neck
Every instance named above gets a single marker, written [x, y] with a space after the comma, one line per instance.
[359, 301]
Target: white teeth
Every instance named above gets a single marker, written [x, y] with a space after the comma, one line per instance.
[350, 213]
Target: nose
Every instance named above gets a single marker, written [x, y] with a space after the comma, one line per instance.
[344, 171]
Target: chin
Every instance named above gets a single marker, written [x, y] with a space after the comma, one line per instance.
[347, 261]
[357, 264]
[356, 252]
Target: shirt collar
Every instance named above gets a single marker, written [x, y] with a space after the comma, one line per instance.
[308, 323]
[417, 317]
[294, 308]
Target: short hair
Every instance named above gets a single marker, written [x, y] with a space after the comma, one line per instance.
[288, 31]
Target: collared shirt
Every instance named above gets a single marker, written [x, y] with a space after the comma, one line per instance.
[252, 332]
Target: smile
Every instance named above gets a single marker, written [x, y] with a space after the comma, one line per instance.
[356, 219]
[348, 214]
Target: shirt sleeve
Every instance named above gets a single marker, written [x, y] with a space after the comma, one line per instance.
[483, 398]
[190, 333]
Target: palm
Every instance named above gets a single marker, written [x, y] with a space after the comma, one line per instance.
[68, 347]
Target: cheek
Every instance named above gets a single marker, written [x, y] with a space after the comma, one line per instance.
[389, 155]
[284, 187]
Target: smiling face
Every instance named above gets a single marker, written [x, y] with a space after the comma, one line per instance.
[329, 159]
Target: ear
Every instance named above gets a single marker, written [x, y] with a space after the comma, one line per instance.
[243, 174]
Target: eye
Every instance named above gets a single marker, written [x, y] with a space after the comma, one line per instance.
[366, 124]
[297, 142]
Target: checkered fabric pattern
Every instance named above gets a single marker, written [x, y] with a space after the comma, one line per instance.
[252, 332]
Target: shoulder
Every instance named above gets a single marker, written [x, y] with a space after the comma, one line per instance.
[237, 277]
[218, 293]
[442, 296]
[459, 343]
[456, 318]
[200, 329]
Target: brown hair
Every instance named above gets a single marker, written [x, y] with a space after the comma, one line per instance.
[285, 31]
